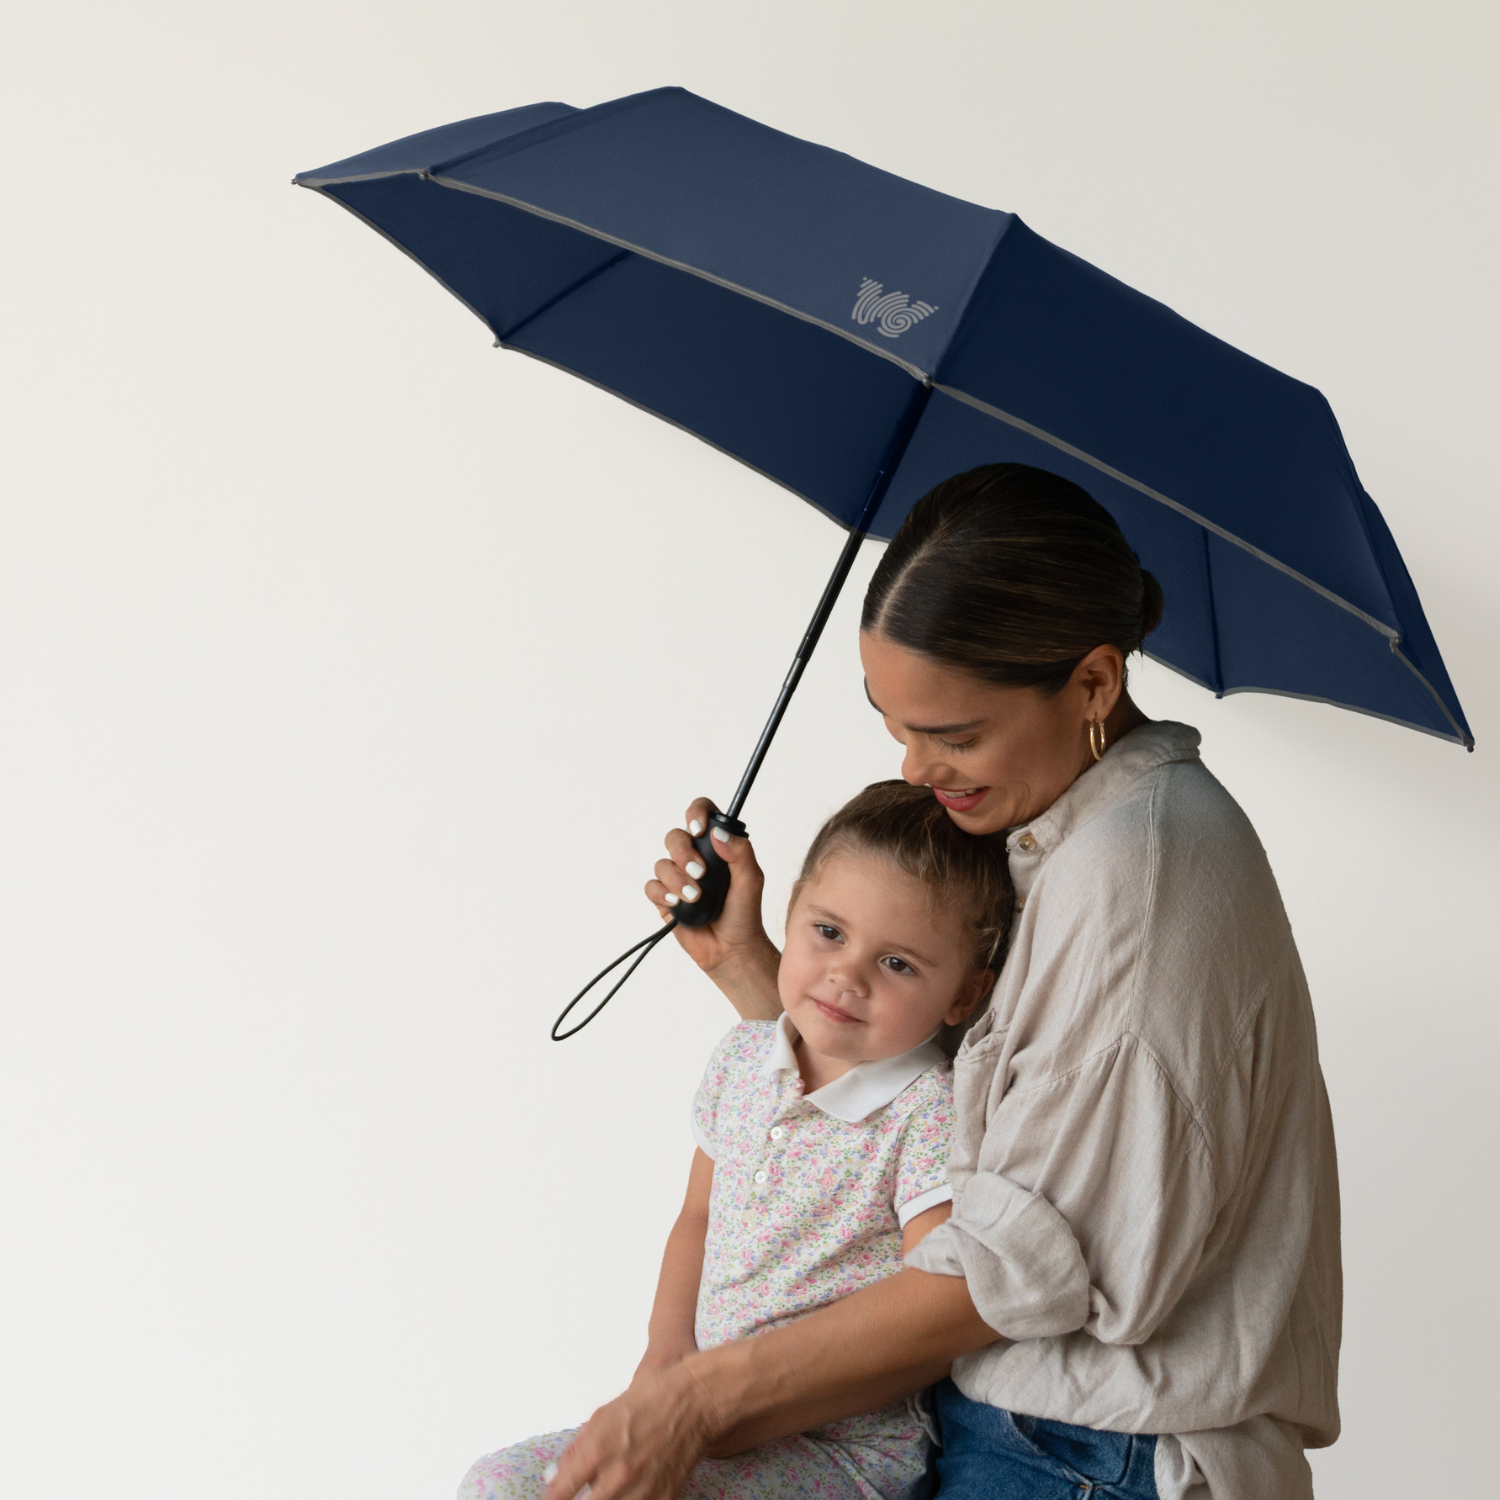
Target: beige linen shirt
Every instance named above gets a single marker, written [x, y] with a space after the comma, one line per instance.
[1145, 1190]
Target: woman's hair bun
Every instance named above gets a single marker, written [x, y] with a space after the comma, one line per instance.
[1013, 574]
[1153, 602]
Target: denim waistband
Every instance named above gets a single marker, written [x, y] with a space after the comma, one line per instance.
[992, 1454]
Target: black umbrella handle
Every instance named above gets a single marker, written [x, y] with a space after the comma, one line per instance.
[714, 887]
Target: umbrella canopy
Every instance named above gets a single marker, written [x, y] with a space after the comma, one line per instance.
[857, 338]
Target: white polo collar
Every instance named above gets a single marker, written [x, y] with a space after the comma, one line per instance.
[866, 1087]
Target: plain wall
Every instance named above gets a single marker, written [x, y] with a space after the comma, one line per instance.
[350, 672]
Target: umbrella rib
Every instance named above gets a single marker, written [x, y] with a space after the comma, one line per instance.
[1118, 474]
[1464, 738]
[1213, 617]
[391, 240]
[552, 302]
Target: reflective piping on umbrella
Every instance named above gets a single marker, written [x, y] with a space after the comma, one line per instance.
[1458, 738]
[1465, 739]
[463, 187]
[1393, 636]
[651, 411]
[1098, 463]
[322, 182]
[317, 187]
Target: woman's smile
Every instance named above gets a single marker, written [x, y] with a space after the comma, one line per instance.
[960, 801]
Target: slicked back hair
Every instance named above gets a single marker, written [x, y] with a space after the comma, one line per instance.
[1012, 574]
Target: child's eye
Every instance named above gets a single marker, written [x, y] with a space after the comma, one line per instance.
[956, 744]
[897, 965]
[832, 934]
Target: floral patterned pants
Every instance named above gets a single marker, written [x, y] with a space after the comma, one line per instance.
[882, 1456]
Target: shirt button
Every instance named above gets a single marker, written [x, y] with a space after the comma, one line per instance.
[1026, 843]
[761, 1177]
[777, 1132]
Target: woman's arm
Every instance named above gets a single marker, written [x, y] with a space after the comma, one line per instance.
[734, 952]
[669, 1336]
[860, 1354]
[871, 1349]
[889, 1385]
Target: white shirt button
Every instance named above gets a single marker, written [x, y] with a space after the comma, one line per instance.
[761, 1177]
[777, 1132]
[1026, 843]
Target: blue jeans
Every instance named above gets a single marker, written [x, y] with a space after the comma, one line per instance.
[990, 1454]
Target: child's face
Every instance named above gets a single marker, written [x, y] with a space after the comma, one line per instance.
[870, 968]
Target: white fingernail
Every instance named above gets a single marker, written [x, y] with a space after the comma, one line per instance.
[695, 828]
[722, 834]
[690, 893]
[549, 1473]
[670, 899]
[695, 869]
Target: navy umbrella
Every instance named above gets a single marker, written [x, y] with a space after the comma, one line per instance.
[857, 338]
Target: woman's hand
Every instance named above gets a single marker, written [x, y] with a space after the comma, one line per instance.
[662, 1355]
[734, 951]
[643, 1444]
[858, 1354]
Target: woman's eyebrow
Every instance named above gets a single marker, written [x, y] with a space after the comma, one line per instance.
[939, 729]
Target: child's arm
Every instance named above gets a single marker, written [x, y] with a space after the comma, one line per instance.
[919, 1226]
[673, 1314]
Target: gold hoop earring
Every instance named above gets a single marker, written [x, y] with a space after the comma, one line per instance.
[1096, 739]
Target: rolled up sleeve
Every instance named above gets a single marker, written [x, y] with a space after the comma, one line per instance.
[1089, 1208]
[1025, 1269]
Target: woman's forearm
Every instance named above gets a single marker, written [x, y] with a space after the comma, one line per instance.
[748, 981]
[858, 1355]
[862, 1353]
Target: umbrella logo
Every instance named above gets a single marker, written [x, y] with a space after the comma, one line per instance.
[891, 312]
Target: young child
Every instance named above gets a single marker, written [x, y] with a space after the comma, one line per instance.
[823, 1137]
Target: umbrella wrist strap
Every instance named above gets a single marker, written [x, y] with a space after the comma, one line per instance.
[641, 949]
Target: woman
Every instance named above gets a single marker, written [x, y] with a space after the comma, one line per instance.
[1138, 1291]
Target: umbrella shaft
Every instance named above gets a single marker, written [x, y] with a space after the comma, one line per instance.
[857, 533]
[799, 663]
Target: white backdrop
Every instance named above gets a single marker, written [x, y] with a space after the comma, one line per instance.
[350, 670]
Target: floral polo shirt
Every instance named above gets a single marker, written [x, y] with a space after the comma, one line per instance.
[811, 1191]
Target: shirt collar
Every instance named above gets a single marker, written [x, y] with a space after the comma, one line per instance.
[1131, 757]
[866, 1087]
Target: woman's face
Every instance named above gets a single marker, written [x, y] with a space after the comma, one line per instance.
[996, 757]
